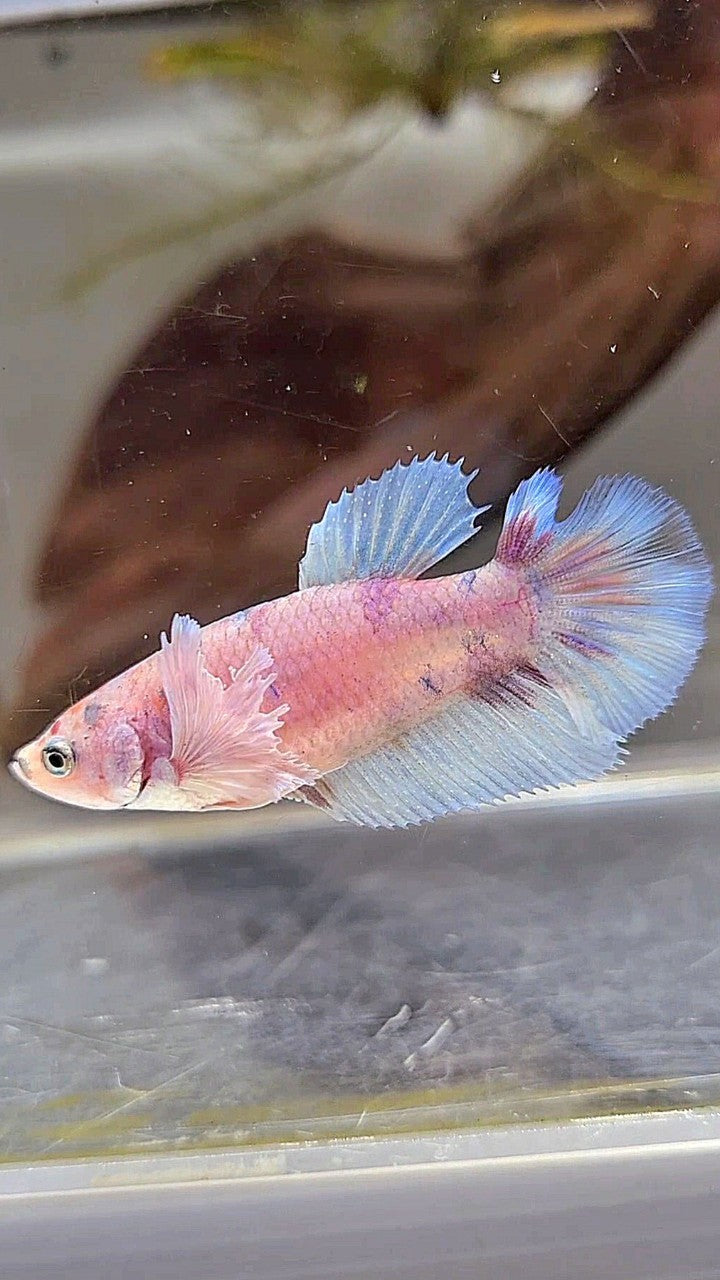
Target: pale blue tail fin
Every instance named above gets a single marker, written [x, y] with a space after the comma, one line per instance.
[623, 586]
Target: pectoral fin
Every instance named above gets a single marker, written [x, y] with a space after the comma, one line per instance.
[225, 748]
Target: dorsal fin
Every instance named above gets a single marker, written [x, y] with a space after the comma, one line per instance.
[394, 527]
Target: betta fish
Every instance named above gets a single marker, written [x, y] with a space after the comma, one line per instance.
[387, 698]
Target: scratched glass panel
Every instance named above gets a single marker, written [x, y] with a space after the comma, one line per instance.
[249, 258]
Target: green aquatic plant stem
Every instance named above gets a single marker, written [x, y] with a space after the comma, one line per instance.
[596, 146]
[359, 73]
[218, 217]
[430, 56]
[618, 164]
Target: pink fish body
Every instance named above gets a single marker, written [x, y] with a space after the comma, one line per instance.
[363, 662]
[386, 698]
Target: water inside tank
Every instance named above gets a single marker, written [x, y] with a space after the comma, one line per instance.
[250, 257]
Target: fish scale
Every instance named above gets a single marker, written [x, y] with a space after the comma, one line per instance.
[352, 672]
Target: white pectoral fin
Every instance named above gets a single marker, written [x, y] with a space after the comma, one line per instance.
[397, 526]
[225, 748]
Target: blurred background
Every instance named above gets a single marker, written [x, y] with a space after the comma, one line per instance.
[250, 256]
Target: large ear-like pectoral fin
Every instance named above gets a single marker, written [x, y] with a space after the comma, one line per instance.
[225, 747]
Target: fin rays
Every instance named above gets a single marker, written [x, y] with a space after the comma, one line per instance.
[225, 748]
[622, 587]
[625, 587]
[471, 754]
[397, 526]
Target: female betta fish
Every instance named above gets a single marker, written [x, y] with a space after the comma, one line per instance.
[386, 698]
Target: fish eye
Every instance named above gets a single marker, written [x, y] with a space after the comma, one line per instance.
[58, 757]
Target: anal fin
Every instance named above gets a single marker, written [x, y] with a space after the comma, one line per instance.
[524, 738]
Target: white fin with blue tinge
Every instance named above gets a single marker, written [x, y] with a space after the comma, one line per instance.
[474, 752]
[394, 527]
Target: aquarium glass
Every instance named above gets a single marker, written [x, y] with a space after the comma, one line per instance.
[251, 256]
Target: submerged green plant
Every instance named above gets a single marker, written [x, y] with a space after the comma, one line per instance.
[428, 55]
[425, 56]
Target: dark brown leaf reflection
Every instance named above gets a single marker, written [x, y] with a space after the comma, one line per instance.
[315, 364]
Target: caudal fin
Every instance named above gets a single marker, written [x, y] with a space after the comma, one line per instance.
[623, 587]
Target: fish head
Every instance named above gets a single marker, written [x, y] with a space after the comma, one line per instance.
[89, 757]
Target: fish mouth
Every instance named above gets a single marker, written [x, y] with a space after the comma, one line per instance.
[19, 769]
